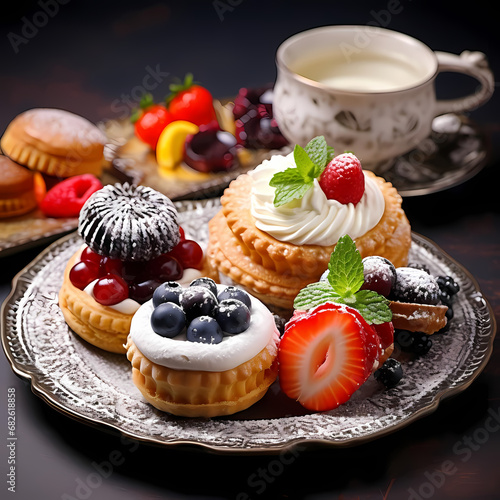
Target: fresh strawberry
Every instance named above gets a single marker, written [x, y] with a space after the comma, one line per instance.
[385, 331]
[67, 198]
[343, 179]
[191, 102]
[325, 355]
[150, 120]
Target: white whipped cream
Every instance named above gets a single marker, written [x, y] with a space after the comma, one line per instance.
[180, 354]
[313, 220]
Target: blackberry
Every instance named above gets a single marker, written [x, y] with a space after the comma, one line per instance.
[417, 343]
[415, 286]
[448, 285]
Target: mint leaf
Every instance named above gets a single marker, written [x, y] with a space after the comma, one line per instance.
[289, 186]
[317, 152]
[309, 164]
[330, 154]
[346, 268]
[372, 306]
[343, 284]
[304, 164]
[314, 295]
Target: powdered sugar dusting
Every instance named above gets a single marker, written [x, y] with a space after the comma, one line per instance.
[58, 122]
[129, 222]
[95, 385]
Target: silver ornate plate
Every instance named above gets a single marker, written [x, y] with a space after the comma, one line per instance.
[95, 387]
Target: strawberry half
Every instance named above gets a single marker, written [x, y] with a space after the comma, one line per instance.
[343, 179]
[386, 333]
[325, 355]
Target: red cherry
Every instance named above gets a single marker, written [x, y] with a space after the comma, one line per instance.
[189, 253]
[82, 273]
[89, 255]
[165, 268]
[111, 266]
[133, 271]
[181, 231]
[110, 290]
[143, 291]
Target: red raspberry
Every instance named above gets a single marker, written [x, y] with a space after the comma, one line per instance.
[343, 179]
[67, 197]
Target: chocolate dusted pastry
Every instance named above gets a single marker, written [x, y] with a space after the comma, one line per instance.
[130, 223]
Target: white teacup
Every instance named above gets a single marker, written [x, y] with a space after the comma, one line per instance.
[368, 90]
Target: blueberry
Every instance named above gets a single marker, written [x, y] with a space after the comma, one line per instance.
[380, 275]
[197, 301]
[231, 292]
[207, 283]
[232, 315]
[169, 291]
[168, 319]
[448, 285]
[415, 286]
[204, 329]
[390, 373]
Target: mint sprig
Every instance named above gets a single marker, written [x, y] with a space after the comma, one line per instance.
[342, 286]
[294, 182]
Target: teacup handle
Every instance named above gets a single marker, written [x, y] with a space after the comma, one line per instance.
[473, 64]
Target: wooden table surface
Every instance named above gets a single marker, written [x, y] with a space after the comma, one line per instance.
[87, 58]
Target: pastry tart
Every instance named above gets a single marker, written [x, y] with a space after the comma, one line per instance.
[275, 270]
[208, 376]
[100, 325]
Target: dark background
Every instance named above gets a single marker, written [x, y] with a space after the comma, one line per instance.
[92, 58]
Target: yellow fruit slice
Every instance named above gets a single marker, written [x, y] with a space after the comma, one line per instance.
[170, 146]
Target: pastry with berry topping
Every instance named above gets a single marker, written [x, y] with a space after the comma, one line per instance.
[132, 244]
[203, 350]
[417, 299]
[55, 142]
[337, 337]
[416, 302]
[280, 222]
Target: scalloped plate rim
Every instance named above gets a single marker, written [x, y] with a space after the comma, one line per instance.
[31, 375]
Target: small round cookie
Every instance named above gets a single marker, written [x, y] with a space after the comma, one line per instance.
[131, 223]
[55, 142]
[17, 195]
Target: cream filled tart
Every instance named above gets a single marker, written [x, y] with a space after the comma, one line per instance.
[203, 351]
[275, 251]
[132, 244]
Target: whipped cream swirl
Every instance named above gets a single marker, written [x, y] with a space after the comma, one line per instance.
[180, 354]
[313, 220]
